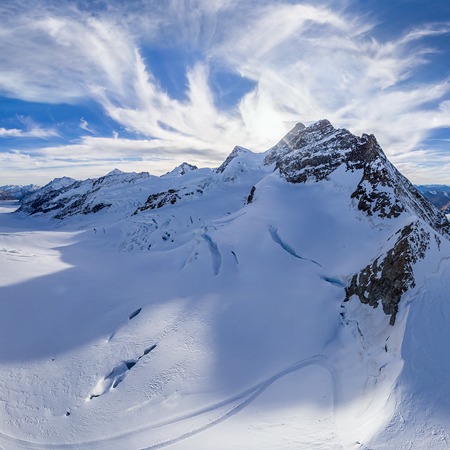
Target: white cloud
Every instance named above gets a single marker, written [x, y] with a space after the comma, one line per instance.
[84, 125]
[34, 132]
[421, 166]
[319, 67]
[10, 132]
[308, 62]
[94, 156]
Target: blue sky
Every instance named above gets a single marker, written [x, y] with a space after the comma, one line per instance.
[87, 86]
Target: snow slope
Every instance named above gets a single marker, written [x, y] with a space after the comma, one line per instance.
[207, 308]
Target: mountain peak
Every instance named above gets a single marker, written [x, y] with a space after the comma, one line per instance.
[114, 172]
[236, 152]
[300, 136]
[182, 169]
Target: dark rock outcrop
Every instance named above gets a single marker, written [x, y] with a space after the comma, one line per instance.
[311, 154]
[390, 275]
[251, 195]
[159, 199]
[169, 197]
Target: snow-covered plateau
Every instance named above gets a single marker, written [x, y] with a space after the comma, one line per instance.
[296, 299]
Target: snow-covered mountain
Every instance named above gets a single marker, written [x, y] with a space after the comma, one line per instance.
[16, 192]
[4, 195]
[291, 299]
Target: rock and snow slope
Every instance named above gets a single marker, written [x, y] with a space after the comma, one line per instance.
[229, 308]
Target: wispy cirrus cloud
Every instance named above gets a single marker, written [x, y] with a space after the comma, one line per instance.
[33, 133]
[306, 62]
[29, 129]
[84, 125]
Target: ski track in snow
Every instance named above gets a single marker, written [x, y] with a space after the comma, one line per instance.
[276, 238]
[244, 398]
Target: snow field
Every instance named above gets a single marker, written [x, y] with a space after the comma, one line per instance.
[211, 320]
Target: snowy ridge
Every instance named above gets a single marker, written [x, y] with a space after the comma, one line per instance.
[181, 170]
[65, 197]
[275, 302]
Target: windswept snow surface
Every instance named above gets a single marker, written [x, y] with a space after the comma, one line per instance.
[212, 323]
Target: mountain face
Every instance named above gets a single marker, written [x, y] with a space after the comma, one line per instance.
[16, 192]
[67, 197]
[198, 308]
[6, 196]
[313, 153]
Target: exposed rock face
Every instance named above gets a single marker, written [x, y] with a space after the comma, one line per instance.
[55, 201]
[251, 195]
[390, 275]
[82, 205]
[313, 153]
[159, 199]
[47, 198]
[169, 197]
[185, 167]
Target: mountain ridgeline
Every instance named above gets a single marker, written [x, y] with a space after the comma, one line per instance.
[404, 229]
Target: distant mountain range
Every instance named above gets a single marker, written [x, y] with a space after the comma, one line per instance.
[16, 192]
[438, 194]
